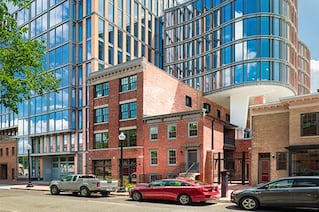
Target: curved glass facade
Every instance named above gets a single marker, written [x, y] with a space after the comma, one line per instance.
[220, 44]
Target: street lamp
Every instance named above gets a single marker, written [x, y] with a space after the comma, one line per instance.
[122, 138]
[29, 167]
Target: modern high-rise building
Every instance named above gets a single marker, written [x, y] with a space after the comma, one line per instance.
[235, 50]
[81, 37]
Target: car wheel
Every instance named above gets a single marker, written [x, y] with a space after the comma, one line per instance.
[137, 196]
[54, 190]
[249, 203]
[84, 192]
[105, 193]
[184, 199]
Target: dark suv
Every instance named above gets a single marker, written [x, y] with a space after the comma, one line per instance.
[300, 191]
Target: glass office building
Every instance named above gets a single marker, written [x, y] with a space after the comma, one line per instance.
[82, 36]
[234, 50]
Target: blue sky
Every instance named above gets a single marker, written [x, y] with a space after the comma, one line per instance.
[308, 14]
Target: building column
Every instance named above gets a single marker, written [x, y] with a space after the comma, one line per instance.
[239, 110]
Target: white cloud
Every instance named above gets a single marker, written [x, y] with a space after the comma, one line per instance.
[314, 75]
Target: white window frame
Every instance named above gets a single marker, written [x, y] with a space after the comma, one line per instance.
[189, 129]
[168, 157]
[151, 159]
[156, 128]
[168, 131]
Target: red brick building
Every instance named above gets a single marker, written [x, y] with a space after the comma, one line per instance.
[8, 158]
[170, 127]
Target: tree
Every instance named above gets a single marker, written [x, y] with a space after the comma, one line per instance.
[21, 69]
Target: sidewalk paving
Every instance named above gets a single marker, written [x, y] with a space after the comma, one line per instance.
[44, 186]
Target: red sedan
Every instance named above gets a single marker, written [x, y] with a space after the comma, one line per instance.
[180, 190]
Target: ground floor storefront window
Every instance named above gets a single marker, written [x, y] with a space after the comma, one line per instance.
[305, 162]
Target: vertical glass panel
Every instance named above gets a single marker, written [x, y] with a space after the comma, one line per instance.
[88, 28]
[238, 74]
[264, 5]
[276, 71]
[239, 52]
[101, 29]
[238, 6]
[101, 7]
[265, 71]
[265, 52]
[111, 11]
[226, 77]
[265, 26]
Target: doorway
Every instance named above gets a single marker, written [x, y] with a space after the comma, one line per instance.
[264, 167]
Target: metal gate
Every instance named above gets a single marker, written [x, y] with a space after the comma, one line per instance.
[237, 165]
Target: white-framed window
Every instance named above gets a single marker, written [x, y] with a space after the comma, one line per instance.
[153, 158]
[153, 133]
[192, 129]
[171, 131]
[172, 157]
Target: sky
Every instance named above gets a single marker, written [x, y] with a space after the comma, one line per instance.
[308, 32]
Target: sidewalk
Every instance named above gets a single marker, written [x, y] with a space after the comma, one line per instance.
[44, 186]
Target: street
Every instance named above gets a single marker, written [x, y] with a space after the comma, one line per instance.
[29, 200]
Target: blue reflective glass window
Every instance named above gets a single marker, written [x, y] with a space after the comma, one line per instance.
[265, 71]
[276, 6]
[252, 49]
[265, 26]
[88, 7]
[111, 34]
[252, 7]
[226, 55]
[276, 26]
[208, 62]
[252, 26]
[120, 39]
[238, 7]
[276, 49]
[226, 13]
[88, 28]
[88, 49]
[239, 52]
[101, 7]
[276, 71]
[119, 57]
[208, 22]
[238, 74]
[58, 120]
[111, 55]
[264, 5]
[111, 11]
[216, 2]
[251, 72]
[216, 18]
[101, 50]
[226, 77]
[208, 4]
[265, 51]
[226, 34]
[135, 48]
[101, 29]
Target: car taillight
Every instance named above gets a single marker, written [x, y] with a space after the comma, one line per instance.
[98, 184]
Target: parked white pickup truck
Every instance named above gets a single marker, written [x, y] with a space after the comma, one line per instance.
[83, 184]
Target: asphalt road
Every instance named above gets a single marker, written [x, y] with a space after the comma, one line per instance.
[14, 200]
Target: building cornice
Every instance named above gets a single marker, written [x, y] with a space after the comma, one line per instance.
[118, 71]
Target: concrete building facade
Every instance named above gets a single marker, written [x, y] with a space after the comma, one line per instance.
[234, 50]
[285, 138]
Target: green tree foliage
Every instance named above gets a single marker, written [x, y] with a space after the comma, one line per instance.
[21, 69]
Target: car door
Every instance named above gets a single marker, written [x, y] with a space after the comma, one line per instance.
[65, 183]
[154, 190]
[305, 192]
[276, 193]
